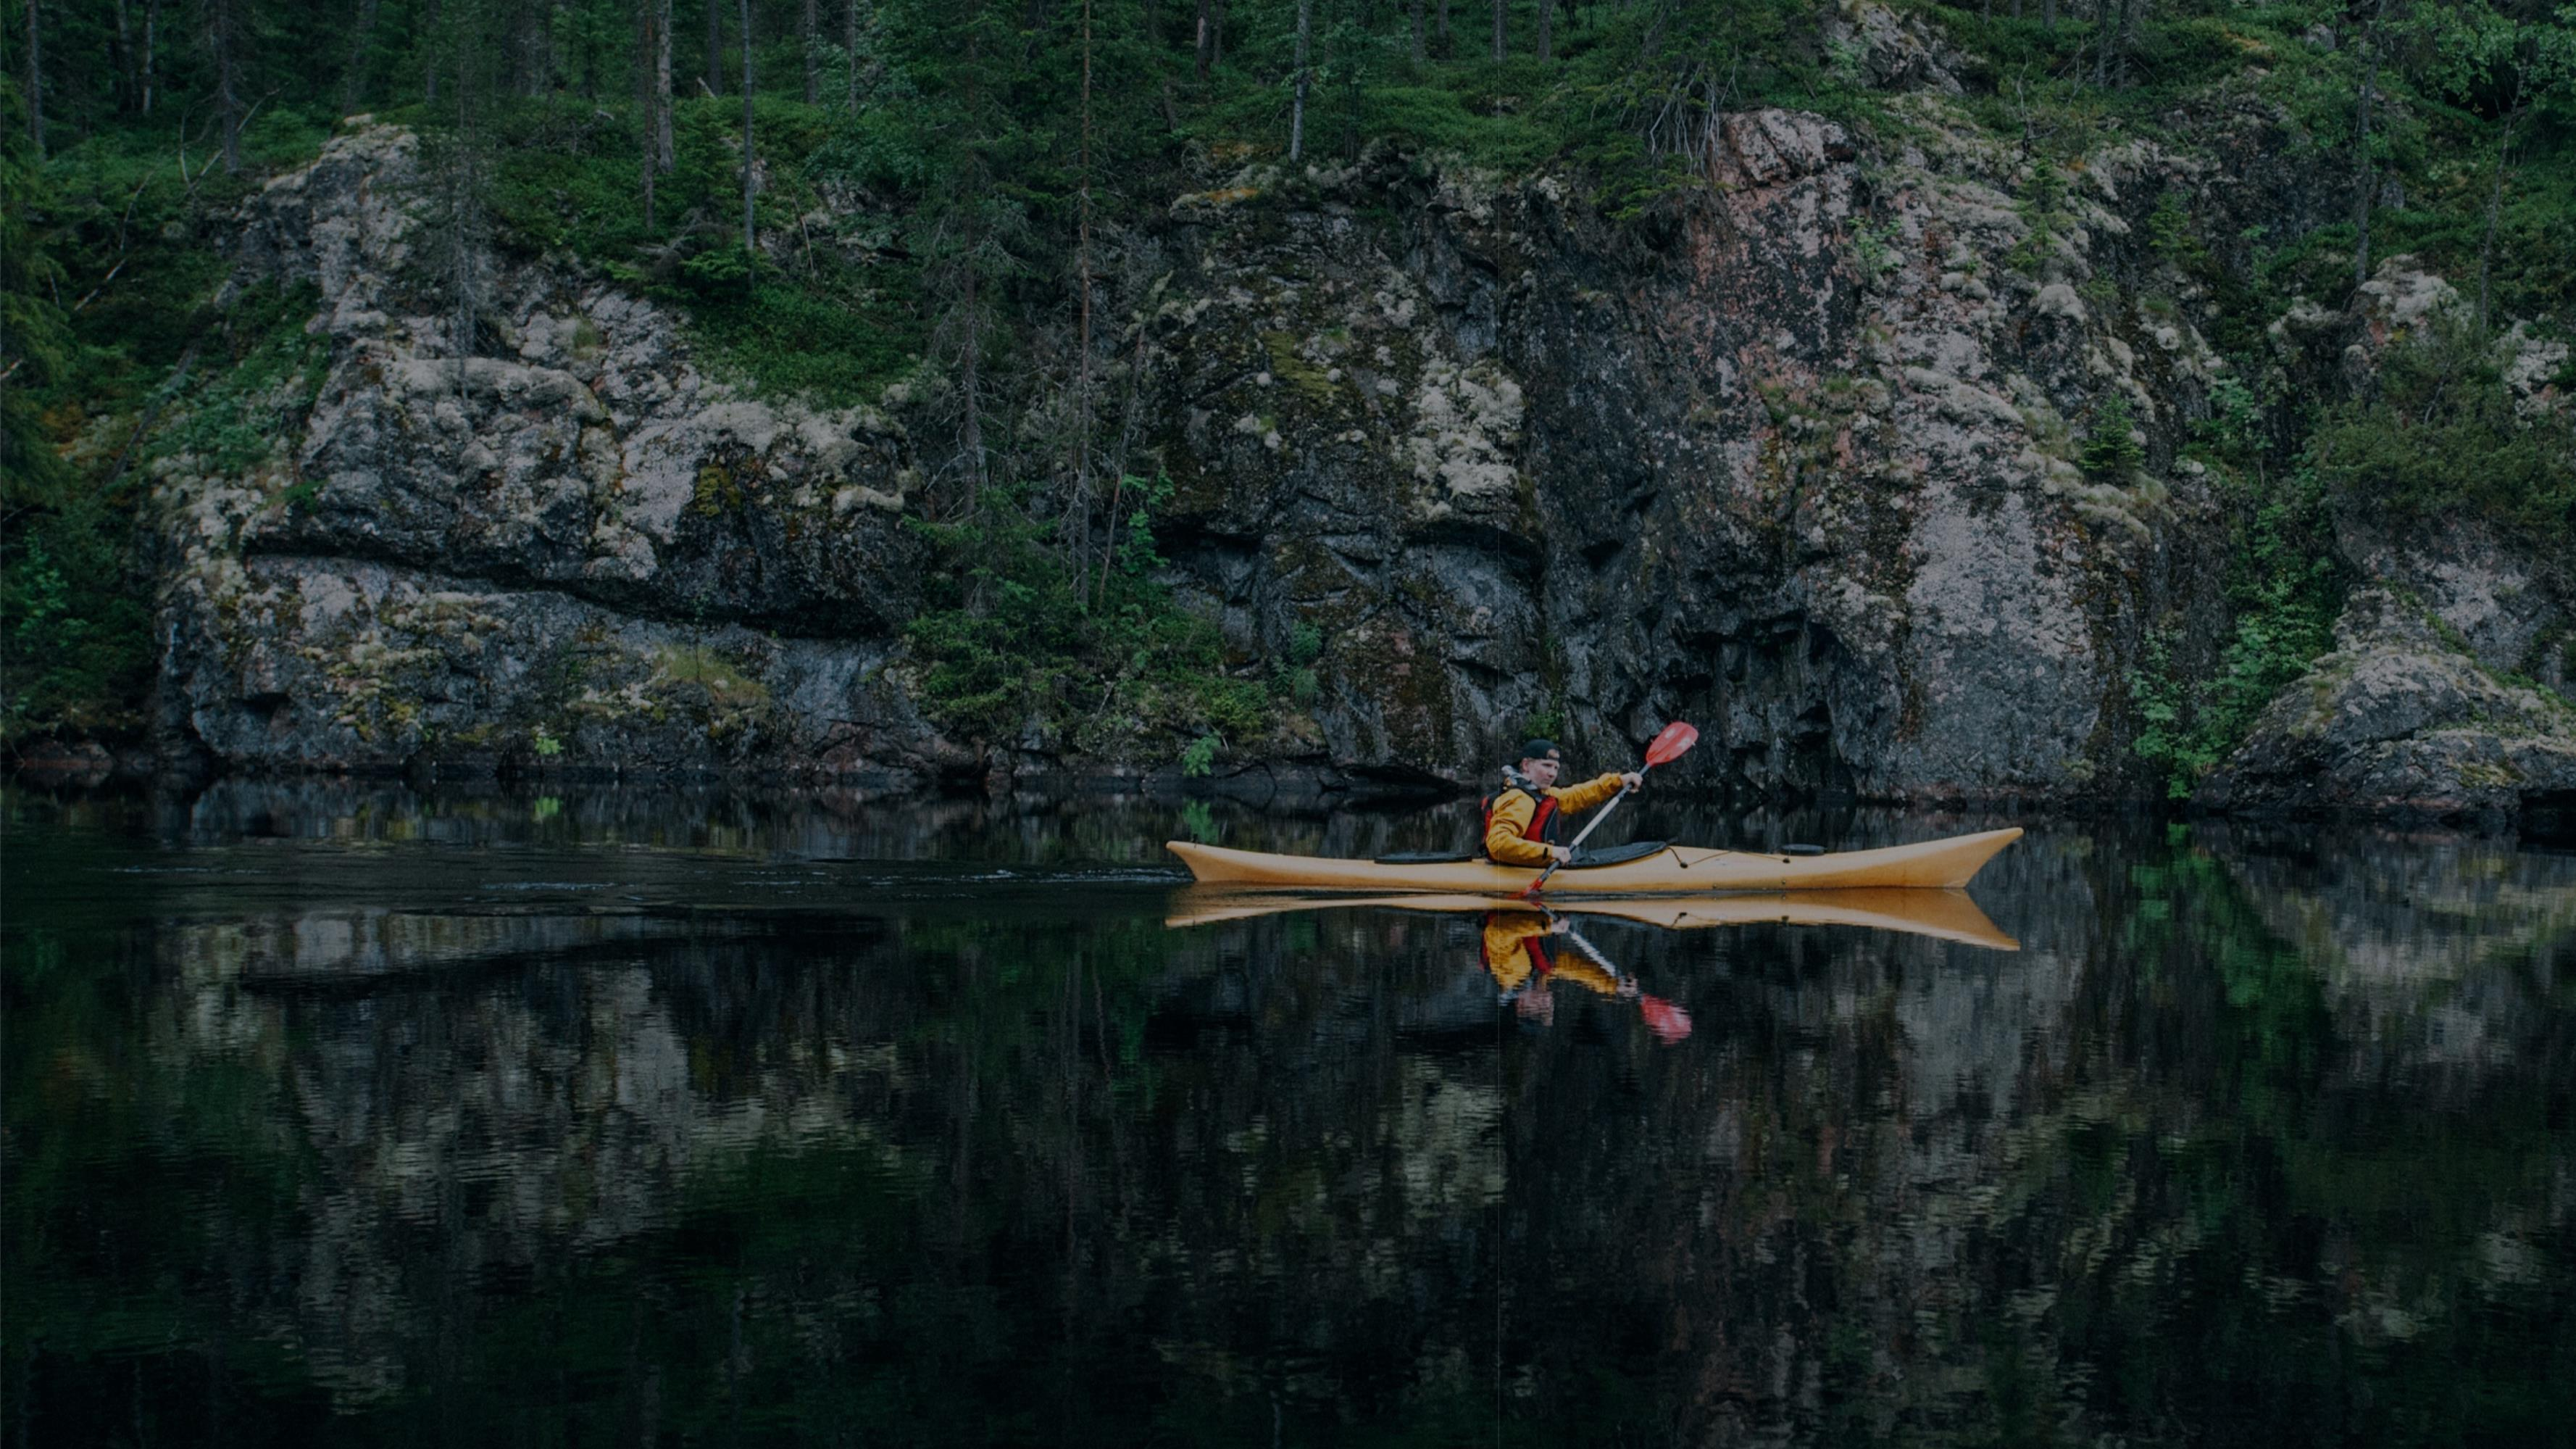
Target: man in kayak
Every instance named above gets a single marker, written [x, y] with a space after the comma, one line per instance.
[1521, 818]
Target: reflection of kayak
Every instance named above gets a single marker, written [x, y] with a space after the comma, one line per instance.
[1946, 914]
[1673, 870]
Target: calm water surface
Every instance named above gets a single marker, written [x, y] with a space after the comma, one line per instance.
[345, 1114]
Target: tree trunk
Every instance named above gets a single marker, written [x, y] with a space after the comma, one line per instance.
[429, 75]
[2101, 44]
[1546, 40]
[121, 73]
[665, 154]
[2495, 209]
[2130, 10]
[1417, 32]
[970, 358]
[1351, 112]
[464, 220]
[967, 363]
[227, 83]
[2048, 15]
[715, 47]
[550, 68]
[813, 61]
[1081, 532]
[750, 241]
[353, 79]
[36, 84]
[1305, 74]
[2361, 131]
[1206, 35]
[1441, 34]
[1216, 33]
[648, 97]
[850, 50]
[151, 24]
[1502, 34]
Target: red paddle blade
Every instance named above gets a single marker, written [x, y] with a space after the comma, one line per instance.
[1668, 1022]
[1672, 744]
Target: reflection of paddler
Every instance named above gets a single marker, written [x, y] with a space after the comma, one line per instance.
[1517, 954]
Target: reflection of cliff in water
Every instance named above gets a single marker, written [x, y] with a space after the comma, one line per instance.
[2433, 952]
[961, 1174]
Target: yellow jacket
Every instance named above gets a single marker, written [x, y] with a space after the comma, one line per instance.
[1513, 809]
[1508, 937]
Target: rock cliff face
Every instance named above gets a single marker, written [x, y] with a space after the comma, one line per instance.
[580, 546]
[2408, 715]
[1796, 460]
[1795, 465]
[2451, 690]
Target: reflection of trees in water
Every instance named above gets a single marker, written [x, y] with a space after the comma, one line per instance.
[963, 1178]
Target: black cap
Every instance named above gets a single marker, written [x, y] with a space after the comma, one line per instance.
[1537, 749]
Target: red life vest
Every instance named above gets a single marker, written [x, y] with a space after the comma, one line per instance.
[1542, 823]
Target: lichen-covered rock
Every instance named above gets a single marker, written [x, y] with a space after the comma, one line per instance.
[581, 551]
[2401, 719]
[1890, 51]
[2485, 596]
[1801, 470]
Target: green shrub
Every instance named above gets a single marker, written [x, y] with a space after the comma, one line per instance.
[1103, 657]
[257, 379]
[2287, 590]
[2111, 448]
[2171, 236]
[822, 325]
[77, 623]
[2442, 438]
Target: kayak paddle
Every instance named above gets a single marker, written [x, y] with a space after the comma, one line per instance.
[1671, 744]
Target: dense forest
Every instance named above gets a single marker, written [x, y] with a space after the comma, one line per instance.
[975, 163]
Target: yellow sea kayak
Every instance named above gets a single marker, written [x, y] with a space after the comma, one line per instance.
[1674, 870]
[1944, 914]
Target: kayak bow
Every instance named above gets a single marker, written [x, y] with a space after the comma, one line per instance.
[1674, 870]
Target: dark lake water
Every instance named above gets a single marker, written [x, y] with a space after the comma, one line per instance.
[345, 1114]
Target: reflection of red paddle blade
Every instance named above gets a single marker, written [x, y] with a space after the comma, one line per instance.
[1668, 1022]
[1670, 745]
